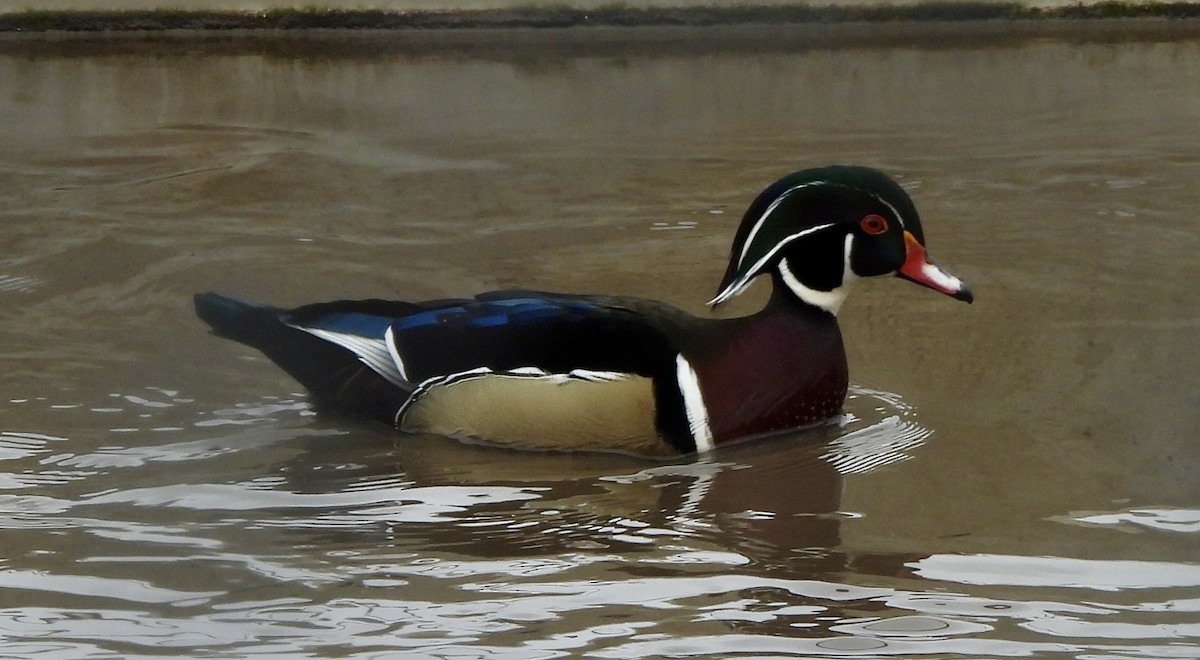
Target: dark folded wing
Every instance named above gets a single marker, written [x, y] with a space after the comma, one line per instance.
[500, 332]
[380, 356]
[529, 331]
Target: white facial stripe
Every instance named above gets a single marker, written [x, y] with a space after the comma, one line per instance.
[766, 214]
[779, 200]
[693, 404]
[892, 209]
[829, 301]
[749, 274]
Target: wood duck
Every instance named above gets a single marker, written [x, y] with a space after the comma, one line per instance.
[589, 372]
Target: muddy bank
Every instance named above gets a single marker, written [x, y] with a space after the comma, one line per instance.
[566, 16]
[529, 44]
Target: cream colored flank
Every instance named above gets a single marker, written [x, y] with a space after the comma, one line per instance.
[547, 412]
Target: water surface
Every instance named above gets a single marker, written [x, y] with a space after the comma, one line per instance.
[1013, 478]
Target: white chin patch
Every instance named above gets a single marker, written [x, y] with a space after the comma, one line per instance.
[830, 301]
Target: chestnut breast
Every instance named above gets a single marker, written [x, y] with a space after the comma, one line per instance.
[773, 372]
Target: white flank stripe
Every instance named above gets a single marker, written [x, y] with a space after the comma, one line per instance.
[389, 338]
[597, 376]
[529, 371]
[693, 404]
[431, 383]
[374, 353]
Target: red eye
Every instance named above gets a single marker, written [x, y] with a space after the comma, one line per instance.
[874, 224]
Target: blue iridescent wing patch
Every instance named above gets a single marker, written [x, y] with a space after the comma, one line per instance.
[554, 335]
[350, 323]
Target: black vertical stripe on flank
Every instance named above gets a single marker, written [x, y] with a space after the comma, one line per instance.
[670, 416]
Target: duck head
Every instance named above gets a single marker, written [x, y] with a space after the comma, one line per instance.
[818, 230]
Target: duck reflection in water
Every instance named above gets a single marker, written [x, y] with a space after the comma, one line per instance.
[782, 498]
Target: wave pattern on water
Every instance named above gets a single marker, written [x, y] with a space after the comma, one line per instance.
[19, 283]
[338, 551]
[1032, 493]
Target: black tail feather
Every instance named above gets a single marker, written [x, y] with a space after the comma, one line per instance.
[334, 375]
[242, 321]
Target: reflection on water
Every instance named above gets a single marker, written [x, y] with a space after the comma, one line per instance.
[1104, 575]
[418, 546]
[1013, 479]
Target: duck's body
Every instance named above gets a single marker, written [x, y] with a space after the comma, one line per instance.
[537, 369]
[564, 371]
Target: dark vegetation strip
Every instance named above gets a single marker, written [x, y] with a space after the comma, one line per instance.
[565, 16]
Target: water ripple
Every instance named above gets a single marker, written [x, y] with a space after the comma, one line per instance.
[16, 445]
[1158, 519]
[883, 443]
[1105, 575]
[136, 591]
[355, 507]
[19, 283]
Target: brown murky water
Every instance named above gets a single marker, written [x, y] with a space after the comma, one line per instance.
[1013, 478]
